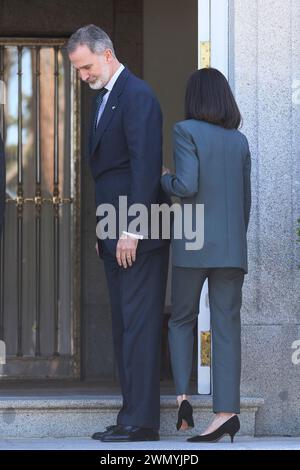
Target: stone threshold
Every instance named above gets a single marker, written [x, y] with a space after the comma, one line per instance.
[75, 415]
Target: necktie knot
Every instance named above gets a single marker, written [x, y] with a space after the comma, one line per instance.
[101, 93]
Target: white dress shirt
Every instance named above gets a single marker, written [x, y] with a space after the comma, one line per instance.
[109, 87]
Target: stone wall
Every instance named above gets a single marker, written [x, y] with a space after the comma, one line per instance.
[264, 69]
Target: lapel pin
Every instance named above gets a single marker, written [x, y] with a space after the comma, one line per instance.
[113, 107]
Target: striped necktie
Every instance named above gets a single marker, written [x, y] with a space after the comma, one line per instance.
[99, 100]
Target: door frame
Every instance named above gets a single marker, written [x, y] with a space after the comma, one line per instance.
[213, 50]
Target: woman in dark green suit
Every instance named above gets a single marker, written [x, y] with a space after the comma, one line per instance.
[212, 161]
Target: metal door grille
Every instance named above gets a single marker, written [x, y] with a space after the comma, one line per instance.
[39, 257]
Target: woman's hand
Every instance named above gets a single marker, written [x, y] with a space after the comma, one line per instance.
[165, 171]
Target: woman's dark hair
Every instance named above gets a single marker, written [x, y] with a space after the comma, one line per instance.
[209, 98]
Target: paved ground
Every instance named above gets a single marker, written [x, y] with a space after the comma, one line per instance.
[240, 443]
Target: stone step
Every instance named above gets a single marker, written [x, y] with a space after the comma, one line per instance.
[69, 415]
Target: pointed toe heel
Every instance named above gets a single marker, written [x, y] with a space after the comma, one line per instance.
[230, 427]
[185, 413]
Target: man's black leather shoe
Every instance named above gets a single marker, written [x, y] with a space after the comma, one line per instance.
[131, 434]
[109, 430]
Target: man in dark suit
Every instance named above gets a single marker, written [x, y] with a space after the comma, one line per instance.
[2, 185]
[125, 158]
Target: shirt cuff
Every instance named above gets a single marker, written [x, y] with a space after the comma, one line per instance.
[133, 235]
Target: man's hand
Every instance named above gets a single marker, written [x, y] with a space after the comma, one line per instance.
[126, 250]
[165, 171]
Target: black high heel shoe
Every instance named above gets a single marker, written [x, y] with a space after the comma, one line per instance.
[185, 412]
[231, 427]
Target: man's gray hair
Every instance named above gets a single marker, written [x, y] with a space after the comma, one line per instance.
[91, 36]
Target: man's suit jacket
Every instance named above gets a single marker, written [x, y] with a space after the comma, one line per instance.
[2, 185]
[212, 168]
[125, 153]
